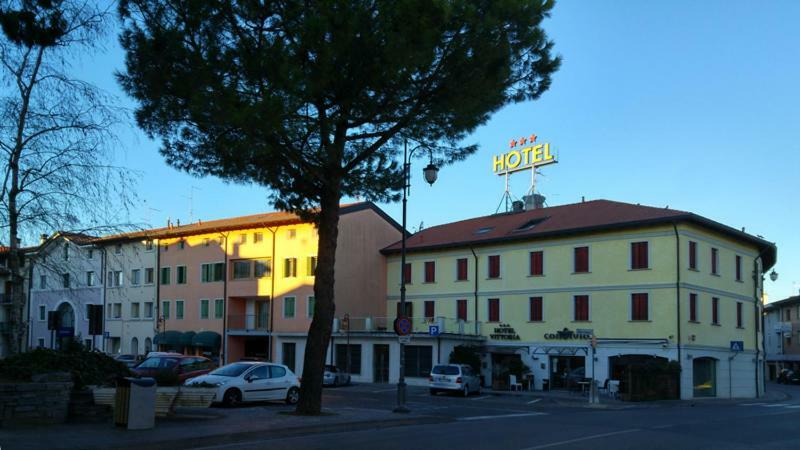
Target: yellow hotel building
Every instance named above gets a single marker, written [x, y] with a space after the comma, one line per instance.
[641, 282]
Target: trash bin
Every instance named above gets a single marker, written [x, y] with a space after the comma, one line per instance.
[135, 403]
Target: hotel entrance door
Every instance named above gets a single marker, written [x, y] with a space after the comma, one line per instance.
[565, 371]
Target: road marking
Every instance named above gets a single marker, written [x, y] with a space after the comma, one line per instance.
[382, 390]
[752, 404]
[661, 427]
[534, 401]
[775, 405]
[481, 398]
[793, 407]
[585, 438]
[501, 416]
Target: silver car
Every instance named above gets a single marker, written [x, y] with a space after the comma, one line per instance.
[335, 377]
[454, 378]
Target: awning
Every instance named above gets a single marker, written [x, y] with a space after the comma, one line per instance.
[171, 338]
[210, 339]
[186, 338]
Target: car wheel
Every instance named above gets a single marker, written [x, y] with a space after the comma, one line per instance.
[434, 392]
[292, 396]
[232, 398]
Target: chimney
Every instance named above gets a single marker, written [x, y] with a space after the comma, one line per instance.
[534, 201]
[178, 222]
[517, 206]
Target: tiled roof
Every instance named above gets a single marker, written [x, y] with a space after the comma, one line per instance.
[790, 301]
[584, 217]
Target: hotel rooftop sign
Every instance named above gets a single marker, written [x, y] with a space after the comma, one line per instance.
[525, 154]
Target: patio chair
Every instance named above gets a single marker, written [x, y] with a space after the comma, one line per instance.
[513, 384]
[604, 387]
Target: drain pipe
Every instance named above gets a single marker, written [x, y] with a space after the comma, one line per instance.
[756, 277]
[274, 270]
[477, 324]
[678, 295]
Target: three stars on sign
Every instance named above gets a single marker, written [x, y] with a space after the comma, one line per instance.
[522, 141]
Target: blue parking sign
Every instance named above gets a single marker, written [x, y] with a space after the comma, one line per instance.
[433, 330]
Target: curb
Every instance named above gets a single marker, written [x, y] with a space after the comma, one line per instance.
[231, 438]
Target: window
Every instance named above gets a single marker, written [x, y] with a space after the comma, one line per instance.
[263, 268]
[257, 237]
[715, 310]
[180, 276]
[581, 260]
[204, 309]
[135, 310]
[738, 268]
[639, 307]
[311, 265]
[136, 277]
[148, 246]
[118, 249]
[118, 278]
[494, 266]
[212, 272]
[149, 274]
[353, 364]
[165, 275]
[788, 315]
[90, 253]
[117, 310]
[418, 360]
[714, 261]
[461, 269]
[243, 238]
[639, 256]
[409, 309]
[40, 343]
[692, 307]
[290, 267]
[42, 313]
[219, 308]
[289, 354]
[291, 234]
[430, 271]
[288, 307]
[65, 278]
[42, 282]
[165, 309]
[461, 310]
[536, 263]
[178, 309]
[581, 308]
[165, 247]
[693, 255]
[738, 314]
[429, 309]
[310, 308]
[407, 273]
[90, 278]
[66, 252]
[241, 270]
[148, 310]
[535, 309]
[494, 310]
[181, 244]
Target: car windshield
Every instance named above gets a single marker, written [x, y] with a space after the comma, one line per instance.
[231, 370]
[158, 363]
[445, 370]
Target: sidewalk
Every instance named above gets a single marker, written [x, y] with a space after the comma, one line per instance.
[209, 426]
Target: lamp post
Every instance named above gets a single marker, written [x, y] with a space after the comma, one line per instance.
[431, 173]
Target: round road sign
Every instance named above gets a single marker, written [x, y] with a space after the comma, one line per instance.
[403, 326]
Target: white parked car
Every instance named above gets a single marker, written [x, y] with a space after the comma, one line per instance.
[454, 378]
[334, 376]
[250, 381]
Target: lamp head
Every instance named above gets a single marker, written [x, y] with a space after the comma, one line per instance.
[431, 173]
[773, 275]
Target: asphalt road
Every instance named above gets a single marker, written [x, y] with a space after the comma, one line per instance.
[522, 423]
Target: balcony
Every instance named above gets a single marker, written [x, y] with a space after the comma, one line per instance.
[5, 300]
[248, 324]
[447, 326]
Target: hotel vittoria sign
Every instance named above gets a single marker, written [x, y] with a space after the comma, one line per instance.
[504, 332]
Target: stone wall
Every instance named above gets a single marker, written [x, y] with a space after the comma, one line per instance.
[33, 403]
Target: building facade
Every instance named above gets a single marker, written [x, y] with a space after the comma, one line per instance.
[782, 335]
[587, 290]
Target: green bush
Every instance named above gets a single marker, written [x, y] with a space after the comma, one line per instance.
[466, 354]
[85, 366]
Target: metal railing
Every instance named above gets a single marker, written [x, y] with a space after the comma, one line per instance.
[249, 322]
[420, 325]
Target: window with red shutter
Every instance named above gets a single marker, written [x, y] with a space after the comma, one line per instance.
[714, 261]
[738, 268]
[581, 259]
[429, 309]
[715, 310]
[739, 314]
[693, 307]
[581, 308]
[494, 310]
[537, 263]
[535, 309]
[409, 309]
[494, 266]
[461, 307]
[430, 271]
[461, 269]
[693, 255]
[407, 273]
[639, 256]
[639, 307]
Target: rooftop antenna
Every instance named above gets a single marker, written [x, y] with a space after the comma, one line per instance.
[190, 197]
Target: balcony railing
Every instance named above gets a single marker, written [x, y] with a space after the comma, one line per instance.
[248, 322]
[420, 325]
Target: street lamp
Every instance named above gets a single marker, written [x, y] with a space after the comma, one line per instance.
[773, 275]
[431, 173]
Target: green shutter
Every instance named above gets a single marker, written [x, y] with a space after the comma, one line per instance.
[204, 309]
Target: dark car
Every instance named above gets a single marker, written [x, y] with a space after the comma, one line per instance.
[788, 376]
[183, 366]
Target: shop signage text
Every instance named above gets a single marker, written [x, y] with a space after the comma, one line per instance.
[504, 332]
[567, 334]
[527, 156]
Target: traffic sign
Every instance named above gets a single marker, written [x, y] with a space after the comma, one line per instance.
[737, 346]
[433, 330]
[403, 326]
[404, 339]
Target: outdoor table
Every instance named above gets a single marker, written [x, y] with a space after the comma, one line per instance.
[584, 386]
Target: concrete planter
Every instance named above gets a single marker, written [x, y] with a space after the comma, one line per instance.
[167, 398]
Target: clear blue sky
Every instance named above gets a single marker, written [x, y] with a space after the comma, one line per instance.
[681, 103]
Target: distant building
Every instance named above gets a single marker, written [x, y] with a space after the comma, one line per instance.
[5, 299]
[782, 335]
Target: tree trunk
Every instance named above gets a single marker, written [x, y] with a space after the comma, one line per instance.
[319, 333]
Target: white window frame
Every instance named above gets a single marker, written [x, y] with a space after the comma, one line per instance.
[134, 280]
[183, 307]
[222, 316]
[90, 279]
[630, 256]
[144, 276]
[589, 259]
[144, 310]
[697, 309]
[138, 310]
[42, 309]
